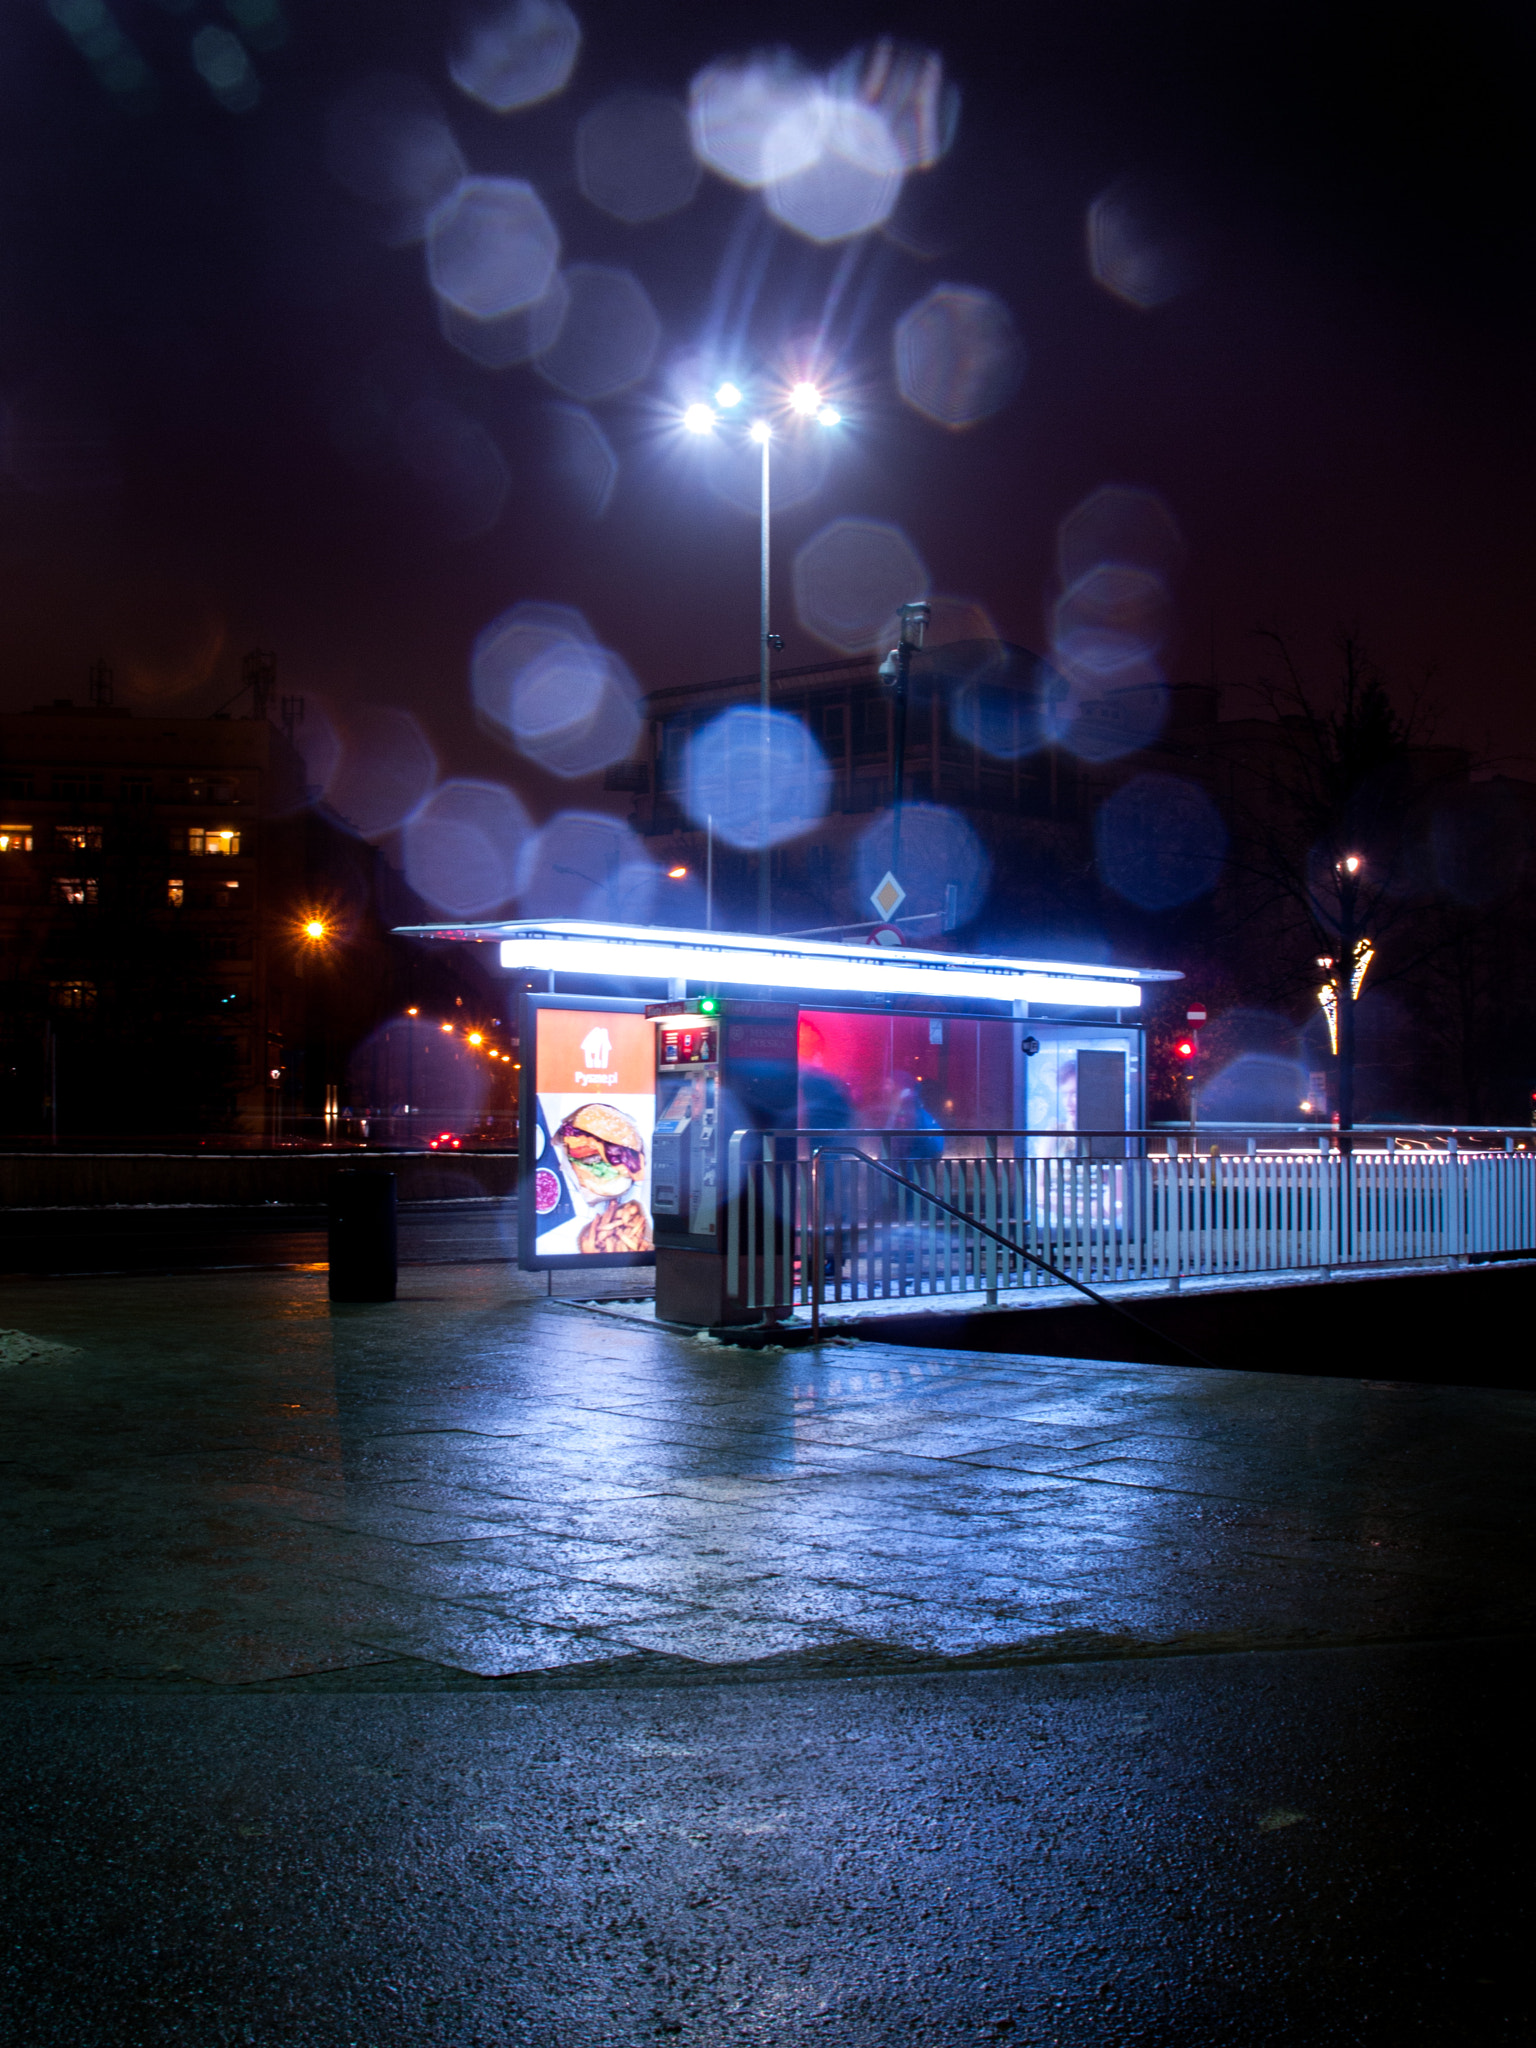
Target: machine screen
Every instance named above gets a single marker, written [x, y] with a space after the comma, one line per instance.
[693, 1046]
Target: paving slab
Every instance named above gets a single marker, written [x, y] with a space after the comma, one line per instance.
[222, 1480]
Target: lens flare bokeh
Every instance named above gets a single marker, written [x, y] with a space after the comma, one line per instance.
[582, 460]
[511, 339]
[388, 142]
[834, 170]
[1117, 552]
[733, 107]
[608, 337]
[1119, 523]
[1160, 841]
[852, 578]
[464, 471]
[906, 86]
[938, 853]
[1002, 699]
[461, 847]
[584, 864]
[1108, 627]
[540, 679]
[491, 247]
[515, 56]
[384, 769]
[959, 358]
[759, 776]
[634, 159]
[1133, 253]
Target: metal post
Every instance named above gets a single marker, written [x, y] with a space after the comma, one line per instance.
[899, 743]
[898, 669]
[53, 1081]
[709, 871]
[1194, 1099]
[816, 1259]
[764, 653]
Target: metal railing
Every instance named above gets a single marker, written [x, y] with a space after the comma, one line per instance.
[812, 1221]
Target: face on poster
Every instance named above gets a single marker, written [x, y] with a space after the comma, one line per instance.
[595, 1096]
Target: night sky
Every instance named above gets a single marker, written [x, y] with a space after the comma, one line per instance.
[211, 354]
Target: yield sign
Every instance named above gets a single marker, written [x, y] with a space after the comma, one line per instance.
[888, 896]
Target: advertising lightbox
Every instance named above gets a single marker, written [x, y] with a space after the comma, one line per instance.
[588, 1114]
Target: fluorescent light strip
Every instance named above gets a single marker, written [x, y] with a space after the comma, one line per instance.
[847, 970]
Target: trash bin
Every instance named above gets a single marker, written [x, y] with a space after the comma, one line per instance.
[363, 1250]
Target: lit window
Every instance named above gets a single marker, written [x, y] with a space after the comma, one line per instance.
[72, 995]
[15, 838]
[194, 839]
[176, 891]
[221, 840]
[74, 889]
[78, 838]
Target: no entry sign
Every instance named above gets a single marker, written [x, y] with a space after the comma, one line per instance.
[1195, 1014]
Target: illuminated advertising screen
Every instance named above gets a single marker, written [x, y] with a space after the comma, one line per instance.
[588, 1114]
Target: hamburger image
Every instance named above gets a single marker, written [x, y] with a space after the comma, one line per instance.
[606, 1156]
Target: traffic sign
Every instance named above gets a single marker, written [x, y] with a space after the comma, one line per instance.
[888, 896]
[1195, 1014]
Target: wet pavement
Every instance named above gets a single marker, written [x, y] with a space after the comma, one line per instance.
[1248, 1851]
[476, 1669]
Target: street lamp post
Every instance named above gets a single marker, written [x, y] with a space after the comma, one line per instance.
[896, 669]
[762, 434]
[1345, 982]
[805, 401]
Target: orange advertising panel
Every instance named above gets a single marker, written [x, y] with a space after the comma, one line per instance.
[586, 1052]
[587, 1157]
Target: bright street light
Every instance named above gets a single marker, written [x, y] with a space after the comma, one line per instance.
[315, 928]
[805, 400]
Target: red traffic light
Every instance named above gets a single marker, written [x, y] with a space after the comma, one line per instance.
[1185, 1049]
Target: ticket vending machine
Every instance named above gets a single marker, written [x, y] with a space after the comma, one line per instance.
[721, 1066]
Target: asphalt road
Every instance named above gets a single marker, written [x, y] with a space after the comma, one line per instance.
[1264, 1848]
[171, 1240]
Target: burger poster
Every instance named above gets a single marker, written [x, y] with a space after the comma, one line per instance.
[595, 1107]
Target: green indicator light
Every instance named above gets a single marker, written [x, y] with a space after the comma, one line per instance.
[709, 1006]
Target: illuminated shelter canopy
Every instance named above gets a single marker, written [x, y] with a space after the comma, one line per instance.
[743, 960]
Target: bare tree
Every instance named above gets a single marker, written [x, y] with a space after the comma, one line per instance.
[1323, 829]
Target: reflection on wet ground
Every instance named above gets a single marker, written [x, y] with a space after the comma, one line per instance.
[223, 1481]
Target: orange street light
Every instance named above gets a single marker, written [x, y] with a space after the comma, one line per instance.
[476, 1038]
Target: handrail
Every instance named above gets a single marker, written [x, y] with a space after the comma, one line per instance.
[972, 1223]
[1165, 1130]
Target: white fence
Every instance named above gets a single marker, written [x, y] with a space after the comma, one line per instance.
[815, 1225]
